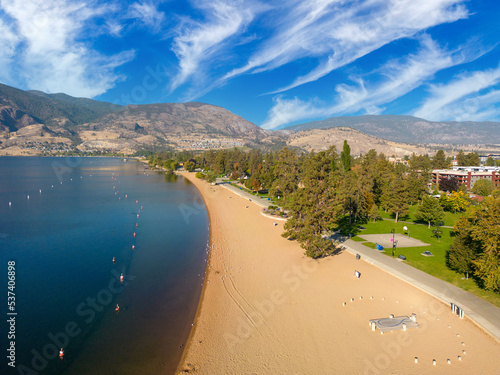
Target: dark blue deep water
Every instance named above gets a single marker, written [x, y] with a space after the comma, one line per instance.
[63, 240]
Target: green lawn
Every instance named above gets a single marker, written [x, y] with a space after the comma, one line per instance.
[449, 217]
[264, 196]
[434, 265]
[358, 239]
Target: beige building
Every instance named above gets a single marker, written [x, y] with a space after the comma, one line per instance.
[467, 175]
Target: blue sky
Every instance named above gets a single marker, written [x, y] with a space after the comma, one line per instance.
[274, 63]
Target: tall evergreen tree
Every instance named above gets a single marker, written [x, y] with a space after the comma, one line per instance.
[461, 158]
[367, 170]
[351, 196]
[464, 250]
[477, 244]
[485, 230]
[439, 160]
[255, 161]
[345, 157]
[220, 162]
[286, 172]
[314, 208]
[420, 163]
[429, 211]
[374, 214]
[397, 198]
[416, 186]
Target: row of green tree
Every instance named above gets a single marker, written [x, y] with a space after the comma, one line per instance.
[326, 191]
[170, 160]
[476, 248]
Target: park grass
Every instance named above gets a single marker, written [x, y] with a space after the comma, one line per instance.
[358, 239]
[449, 217]
[433, 265]
[258, 195]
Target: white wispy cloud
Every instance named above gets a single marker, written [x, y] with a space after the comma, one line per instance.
[149, 14]
[49, 52]
[396, 78]
[285, 111]
[481, 107]
[8, 42]
[337, 33]
[462, 98]
[198, 42]
[114, 28]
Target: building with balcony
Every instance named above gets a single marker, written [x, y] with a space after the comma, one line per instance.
[467, 175]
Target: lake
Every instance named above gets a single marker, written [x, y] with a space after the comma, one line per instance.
[62, 221]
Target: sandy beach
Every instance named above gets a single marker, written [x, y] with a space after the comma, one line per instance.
[268, 309]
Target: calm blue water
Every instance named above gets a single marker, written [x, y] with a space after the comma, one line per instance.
[63, 241]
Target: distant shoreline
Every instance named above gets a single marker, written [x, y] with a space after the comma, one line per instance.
[71, 156]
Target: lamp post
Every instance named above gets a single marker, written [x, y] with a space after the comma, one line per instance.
[392, 231]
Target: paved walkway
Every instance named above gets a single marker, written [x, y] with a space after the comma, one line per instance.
[481, 312]
[242, 193]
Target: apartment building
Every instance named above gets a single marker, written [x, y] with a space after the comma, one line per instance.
[467, 175]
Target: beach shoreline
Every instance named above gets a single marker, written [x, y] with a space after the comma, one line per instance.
[266, 308]
[202, 295]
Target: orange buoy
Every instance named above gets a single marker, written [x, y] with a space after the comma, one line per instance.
[61, 353]
[136, 225]
[134, 234]
[113, 259]
[133, 247]
[136, 201]
[121, 277]
[119, 199]
[138, 216]
[117, 308]
[125, 195]
[141, 208]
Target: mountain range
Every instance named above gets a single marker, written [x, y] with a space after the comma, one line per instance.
[33, 121]
[411, 129]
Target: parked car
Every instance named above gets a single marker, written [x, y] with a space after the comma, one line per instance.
[428, 253]
[402, 257]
